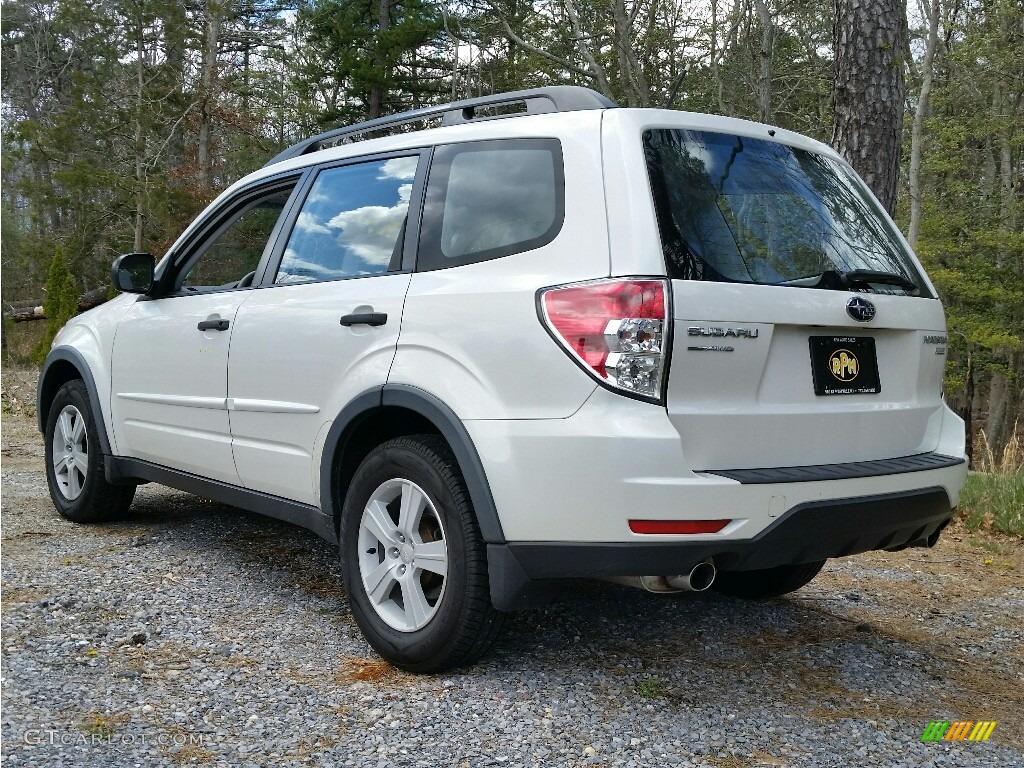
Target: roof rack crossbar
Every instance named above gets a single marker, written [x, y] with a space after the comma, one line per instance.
[553, 98]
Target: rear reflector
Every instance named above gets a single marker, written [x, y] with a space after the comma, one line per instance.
[677, 526]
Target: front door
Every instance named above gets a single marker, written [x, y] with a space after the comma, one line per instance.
[170, 358]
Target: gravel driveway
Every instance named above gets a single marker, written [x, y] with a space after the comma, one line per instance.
[193, 633]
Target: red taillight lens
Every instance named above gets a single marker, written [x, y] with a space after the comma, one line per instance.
[677, 526]
[616, 328]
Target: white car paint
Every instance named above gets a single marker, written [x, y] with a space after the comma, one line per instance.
[566, 460]
[169, 383]
[293, 367]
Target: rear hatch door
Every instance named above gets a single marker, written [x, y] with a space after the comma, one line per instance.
[805, 332]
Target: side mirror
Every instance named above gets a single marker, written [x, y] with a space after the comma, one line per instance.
[133, 273]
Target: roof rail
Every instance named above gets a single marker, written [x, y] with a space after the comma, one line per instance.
[553, 98]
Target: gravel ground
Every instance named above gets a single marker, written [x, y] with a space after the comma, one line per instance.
[193, 633]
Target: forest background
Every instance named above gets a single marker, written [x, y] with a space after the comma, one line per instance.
[123, 118]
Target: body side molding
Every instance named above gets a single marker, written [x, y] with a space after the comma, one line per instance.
[453, 430]
[331, 497]
[450, 427]
[120, 469]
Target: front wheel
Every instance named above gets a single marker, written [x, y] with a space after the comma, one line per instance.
[74, 463]
[770, 582]
[414, 563]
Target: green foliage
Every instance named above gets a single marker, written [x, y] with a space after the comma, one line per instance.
[651, 688]
[61, 303]
[994, 501]
[359, 54]
[971, 237]
[993, 497]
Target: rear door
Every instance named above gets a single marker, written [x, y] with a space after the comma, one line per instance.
[323, 328]
[805, 332]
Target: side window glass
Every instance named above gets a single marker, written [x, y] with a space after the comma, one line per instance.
[491, 199]
[230, 260]
[352, 222]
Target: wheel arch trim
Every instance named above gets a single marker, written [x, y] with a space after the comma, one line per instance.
[441, 416]
[76, 360]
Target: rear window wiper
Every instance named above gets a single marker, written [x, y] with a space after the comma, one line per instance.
[835, 280]
[869, 276]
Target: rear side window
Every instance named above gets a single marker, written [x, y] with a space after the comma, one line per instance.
[490, 199]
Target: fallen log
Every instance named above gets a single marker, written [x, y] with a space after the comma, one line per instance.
[34, 310]
[92, 298]
[24, 314]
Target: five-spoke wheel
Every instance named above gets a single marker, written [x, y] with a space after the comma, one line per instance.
[74, 461]
[414, 563]
[403, 555]
[70, 444]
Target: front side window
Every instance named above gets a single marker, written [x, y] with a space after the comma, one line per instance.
[737, 209]
[490, 199]
[352, 222]
[231, 258]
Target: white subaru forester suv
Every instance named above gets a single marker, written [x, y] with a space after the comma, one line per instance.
[671, 349]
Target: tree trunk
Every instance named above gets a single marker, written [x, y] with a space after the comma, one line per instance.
[1000, 412]
[868, 39]
[967, 414]
[600, 77]
[765, 56]
[631, 74]
[1003, 395]
[208, 80]
[140, 143]
[917, 132]
[376, 106]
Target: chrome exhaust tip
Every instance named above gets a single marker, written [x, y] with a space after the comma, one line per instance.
[700, 578]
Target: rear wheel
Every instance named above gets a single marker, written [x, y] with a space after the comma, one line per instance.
[414, 564]
[74, 463]
[770, 582]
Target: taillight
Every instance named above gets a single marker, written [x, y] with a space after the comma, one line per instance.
[616, 329]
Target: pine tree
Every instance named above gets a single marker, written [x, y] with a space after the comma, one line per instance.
[61, 302]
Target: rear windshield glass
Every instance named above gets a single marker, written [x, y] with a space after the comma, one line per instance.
[736, 209]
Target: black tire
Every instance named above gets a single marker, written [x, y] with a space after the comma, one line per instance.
[463, 624]
[770, 582]
[92, 499]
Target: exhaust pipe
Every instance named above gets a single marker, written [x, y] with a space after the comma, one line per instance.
[700, 578]
[927, 542]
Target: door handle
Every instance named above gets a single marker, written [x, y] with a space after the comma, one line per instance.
[365, 318]
[212, 325]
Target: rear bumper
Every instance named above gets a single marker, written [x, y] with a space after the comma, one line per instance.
[521, 572]
[581, 479]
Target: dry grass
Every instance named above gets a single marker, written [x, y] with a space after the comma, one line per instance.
[101, 724]
[192, 754]
[377, 671]
[993, 498]
[22, 595]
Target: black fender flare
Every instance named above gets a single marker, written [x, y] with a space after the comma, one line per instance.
[75, 358]
[447, 423]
